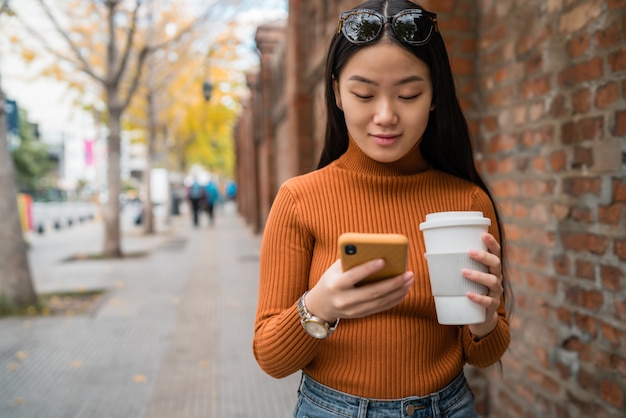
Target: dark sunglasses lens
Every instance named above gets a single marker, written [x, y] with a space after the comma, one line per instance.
[413, 28]
[362, 27]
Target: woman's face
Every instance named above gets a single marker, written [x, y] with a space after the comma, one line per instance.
[385, 93]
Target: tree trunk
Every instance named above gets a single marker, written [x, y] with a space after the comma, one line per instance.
[148, 211]
[16, 284]
[112, 236]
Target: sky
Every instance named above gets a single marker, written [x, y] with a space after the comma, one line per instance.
[48, 102]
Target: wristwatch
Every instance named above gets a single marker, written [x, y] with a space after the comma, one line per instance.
[316, 327]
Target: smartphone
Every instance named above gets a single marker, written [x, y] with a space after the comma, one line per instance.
[357, 248]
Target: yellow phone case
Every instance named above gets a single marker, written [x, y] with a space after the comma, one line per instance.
[357, 248]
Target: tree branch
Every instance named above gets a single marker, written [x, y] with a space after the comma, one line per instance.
[85, 65]
[129, 44]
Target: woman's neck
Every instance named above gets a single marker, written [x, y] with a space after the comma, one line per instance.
[412, 163]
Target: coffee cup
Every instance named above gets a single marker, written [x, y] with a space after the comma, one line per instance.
[448, 237]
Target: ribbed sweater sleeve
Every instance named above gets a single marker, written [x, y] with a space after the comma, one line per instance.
[281, 345]
[394, 354]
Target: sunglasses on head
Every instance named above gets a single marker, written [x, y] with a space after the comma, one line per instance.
[411, 26]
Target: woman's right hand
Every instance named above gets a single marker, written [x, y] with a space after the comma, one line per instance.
[337, 296]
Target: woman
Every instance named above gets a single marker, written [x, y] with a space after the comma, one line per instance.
[397, 147]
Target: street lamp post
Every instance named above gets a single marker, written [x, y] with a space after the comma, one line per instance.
[207, 90]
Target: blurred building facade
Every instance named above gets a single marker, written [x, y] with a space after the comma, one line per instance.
[543, 85]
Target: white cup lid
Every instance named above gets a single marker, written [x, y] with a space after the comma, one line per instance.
[441, 219]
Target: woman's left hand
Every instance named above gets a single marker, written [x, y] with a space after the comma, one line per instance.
[492, 279]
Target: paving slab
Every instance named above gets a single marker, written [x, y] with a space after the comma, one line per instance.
[171, 337]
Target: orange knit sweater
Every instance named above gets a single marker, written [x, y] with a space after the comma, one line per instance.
[394, 354]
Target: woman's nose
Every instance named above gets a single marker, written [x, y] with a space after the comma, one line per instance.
[385, 113]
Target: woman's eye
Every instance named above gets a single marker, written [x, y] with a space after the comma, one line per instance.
[363, 96]
[409, 97]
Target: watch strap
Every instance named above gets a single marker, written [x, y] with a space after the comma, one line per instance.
[305, 316]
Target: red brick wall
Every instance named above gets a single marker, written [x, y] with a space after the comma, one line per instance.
[551, 80]
[543, 84]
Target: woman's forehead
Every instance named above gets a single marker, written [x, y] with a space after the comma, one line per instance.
[385, 61]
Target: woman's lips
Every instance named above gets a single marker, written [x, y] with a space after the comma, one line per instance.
[385, 139]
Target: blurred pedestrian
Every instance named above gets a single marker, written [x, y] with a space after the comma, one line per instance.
[397, 147]
[196, 195]
[212, 195]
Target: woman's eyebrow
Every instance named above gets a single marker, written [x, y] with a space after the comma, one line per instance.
[409, 79]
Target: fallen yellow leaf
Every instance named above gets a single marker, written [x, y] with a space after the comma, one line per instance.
[77, 364]
[21, 355]
[203, 364]
[13, 367]
[139, 378]
[19, 400]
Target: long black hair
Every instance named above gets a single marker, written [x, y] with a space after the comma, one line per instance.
[446, 144]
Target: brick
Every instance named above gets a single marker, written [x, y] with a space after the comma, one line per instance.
[580, 16]
[535, 88]
[582, 101]
[456, 23]
[618, 363]
[612, 393]
[558, 107]
[560, 212]
[585, 269]
[619, 190]
[583, 349]
[617, 60]
[536, 188]
[620, 123]
[502, 143]
[583, 158]
[505, 188]
[620, 248]
[578, 186]
[584, 129]
[606, 95]
[613, 335]
[611, 277]
[608, 37]
[584, 71]
[578, 45]
[612, 214]
[558, 161]
[561, 265]
[586, 323]
[539, 164]
[588, 381]
[616, 4]
[581, 214]
[620, 308]
[586, 298]
[564, 315]
[462, 66]
[541, 283]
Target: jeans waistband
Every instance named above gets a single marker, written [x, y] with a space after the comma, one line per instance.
[344, 404]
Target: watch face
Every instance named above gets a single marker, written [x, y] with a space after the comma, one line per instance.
[316, 329]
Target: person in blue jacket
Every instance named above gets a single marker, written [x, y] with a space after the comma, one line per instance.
[212, 197]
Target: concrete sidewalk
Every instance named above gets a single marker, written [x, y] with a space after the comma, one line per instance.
[171, 337]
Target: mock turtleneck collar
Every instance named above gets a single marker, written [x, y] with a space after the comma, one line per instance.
[356, 160]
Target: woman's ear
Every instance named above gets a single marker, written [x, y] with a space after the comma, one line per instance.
[432, 107]
[337, 94]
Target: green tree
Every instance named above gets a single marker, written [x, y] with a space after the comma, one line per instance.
[31, 160]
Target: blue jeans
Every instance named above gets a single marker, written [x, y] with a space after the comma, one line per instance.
[318, 401]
